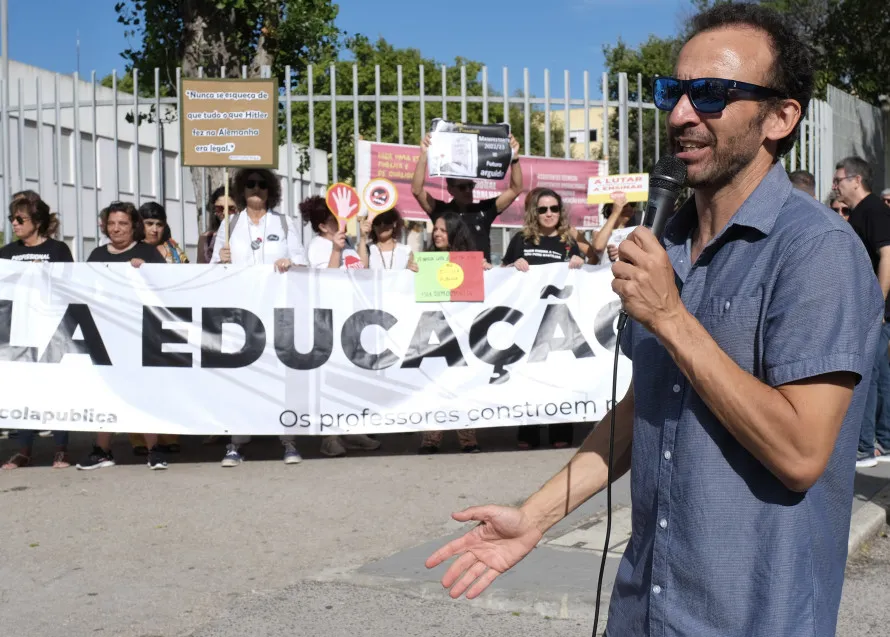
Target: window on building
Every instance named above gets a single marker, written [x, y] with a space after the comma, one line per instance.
[146, 171]
[124, 167]
[171, 175]
[88, 161]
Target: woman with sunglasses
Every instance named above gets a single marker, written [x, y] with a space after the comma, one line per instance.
[33, 226]
[125, 229]
[451, 234]
[385, 252]
[259, 235]
[545, 238]
[217, 205]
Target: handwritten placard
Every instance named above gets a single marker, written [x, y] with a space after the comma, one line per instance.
[444, 277]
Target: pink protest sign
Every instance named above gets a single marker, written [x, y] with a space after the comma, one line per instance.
[568, 177]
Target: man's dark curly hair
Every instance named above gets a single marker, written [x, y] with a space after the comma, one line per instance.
[240, 184]
[792, 71]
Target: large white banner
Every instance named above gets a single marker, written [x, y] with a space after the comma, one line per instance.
[197, 349]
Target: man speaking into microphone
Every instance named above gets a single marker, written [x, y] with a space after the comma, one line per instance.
[740, 427]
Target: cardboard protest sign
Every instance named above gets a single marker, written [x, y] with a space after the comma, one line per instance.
[380, 195]
[343, 202]
[449, 276]
[635, 187]
[229, 122]
[469, 151]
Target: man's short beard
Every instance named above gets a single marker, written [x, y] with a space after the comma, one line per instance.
[730, 157]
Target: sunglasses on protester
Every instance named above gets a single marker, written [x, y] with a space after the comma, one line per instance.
[707, 94]
[543, 210]
[221, 209]
[19, 219]
[256, 183]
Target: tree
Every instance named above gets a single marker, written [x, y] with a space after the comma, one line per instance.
[366, 55]
[224, 34]
[655, 56]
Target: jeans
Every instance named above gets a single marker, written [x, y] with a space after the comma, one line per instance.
[243, 440]
[876, 420]
[26, 438]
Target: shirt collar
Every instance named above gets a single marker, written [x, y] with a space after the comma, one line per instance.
[759, 210]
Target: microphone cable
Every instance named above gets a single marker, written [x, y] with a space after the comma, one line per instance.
[622, 323]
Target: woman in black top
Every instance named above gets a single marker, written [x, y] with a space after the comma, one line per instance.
[124, 228]
[33, 224]
[543, 239]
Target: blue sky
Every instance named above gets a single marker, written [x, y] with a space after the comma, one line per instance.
[538, 34]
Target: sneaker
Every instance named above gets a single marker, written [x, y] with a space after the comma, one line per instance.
[45, 434]
[865, 461]
[360, 441]
[60, 460]
[98, 459]
[156, 460]
[471, 449]
[332, 446]
[232, 457]
[4, 434]
[291, 455]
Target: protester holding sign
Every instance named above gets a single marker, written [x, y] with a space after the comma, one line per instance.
[478, 216]
[545, 238]
[331, 248]
[259, 235]
[265, 235]
[451, 234]
[621, 218]
[386, 253]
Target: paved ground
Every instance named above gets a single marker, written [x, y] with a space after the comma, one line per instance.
[330, 547]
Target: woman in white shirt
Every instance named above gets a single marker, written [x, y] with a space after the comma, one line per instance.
[386, 253]
[331, 249]
[259, 235]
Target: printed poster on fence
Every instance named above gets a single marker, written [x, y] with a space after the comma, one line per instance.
[229, 122]
[469, 151]
[600, 189]
[568, 177]
[245, 350]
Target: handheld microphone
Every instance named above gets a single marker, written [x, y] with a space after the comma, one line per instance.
[665, 183]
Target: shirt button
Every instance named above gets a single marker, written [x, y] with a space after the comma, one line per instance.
[663, 523]
[656, 589]
[676, 389]
[667, 455]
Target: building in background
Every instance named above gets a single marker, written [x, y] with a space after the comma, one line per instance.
[579, 134]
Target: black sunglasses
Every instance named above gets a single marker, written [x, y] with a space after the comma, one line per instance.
[707, 94]
[543, 210]
[256, 183]
[18, 219]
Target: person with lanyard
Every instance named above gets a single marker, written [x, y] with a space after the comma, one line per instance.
[545, 238]
[259, 234]
[33, 226]
[753, 325]
[386, 253]
[125, 231]
[478, 216]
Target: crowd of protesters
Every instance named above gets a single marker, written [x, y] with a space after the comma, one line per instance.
[259, 234]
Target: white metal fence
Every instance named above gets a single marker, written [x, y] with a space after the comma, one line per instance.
[79, 163]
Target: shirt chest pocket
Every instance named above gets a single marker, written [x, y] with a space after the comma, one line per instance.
[734, 323]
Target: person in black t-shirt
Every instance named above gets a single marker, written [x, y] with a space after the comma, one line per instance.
[32, 224]
[545, 238]
[478, 216]
[124, 228]
[871, 220]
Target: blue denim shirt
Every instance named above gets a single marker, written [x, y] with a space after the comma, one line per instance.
[720, 547]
